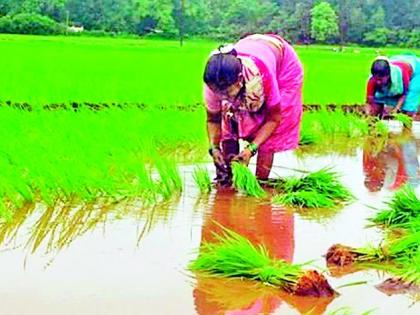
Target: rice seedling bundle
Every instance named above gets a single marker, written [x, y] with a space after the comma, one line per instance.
[403, 207]
[245, 181]
[316, 190]
[397, 254]
[232, 255]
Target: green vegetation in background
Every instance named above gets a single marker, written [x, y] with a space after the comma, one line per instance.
[378, 22]
[152, 72]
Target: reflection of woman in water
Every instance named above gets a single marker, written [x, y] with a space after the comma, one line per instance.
[393, 165]
[261, 224]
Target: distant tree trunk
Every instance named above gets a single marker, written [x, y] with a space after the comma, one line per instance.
[181, 23]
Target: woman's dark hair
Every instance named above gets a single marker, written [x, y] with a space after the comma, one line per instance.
[380, 68]
[222, 69]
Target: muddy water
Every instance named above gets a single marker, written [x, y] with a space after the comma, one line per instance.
[130, 260]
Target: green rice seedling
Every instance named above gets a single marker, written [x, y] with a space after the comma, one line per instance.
[202, 179]
[377, 127]
[307, 138]
[398, 255]
[324, 124]
[245, 181]
[170, 179]
[403, 207]
[340, 146]
[235, 256]
[232, 255]
[407, 121]
[408, 268]
[304, 199]
[324, 181]
[332, 132]
[318, 189]
[74, 163]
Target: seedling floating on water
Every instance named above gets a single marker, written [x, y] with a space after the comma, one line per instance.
[403, 207]
[320, 189]
[245, 181]
[232, 255]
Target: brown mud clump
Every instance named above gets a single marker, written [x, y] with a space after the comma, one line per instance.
[341, 256]
[312, 284]
[393, 286]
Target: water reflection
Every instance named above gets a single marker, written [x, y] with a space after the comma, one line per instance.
[392, 162]
[36, 227]
[261, 223]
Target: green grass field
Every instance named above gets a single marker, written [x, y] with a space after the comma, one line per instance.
[45, 70]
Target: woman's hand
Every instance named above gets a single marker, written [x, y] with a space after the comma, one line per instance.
[218, 158]
[243, 157]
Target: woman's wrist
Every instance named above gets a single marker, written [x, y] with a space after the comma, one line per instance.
[253, 148]
[213, 147]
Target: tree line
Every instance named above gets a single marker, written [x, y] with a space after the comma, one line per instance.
[369, 22]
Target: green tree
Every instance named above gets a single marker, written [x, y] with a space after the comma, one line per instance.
[302, 17]
[156, 15]
[324, 22]
[245, 16]
[378, 37]
[356, 26]
[285, 25]
[377, 20]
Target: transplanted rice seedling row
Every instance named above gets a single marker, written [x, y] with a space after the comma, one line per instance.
[67, 156]
[319, 125]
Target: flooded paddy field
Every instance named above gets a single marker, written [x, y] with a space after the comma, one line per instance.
[131, 259]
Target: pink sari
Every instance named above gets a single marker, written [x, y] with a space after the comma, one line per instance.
[275, 79]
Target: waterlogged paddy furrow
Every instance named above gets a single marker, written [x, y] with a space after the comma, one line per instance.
[127, 259]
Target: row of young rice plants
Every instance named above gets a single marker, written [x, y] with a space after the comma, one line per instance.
[155, 71]
[84, 156]
[57, 156]
[318, 126]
